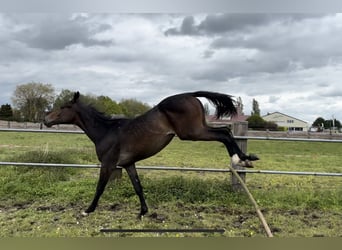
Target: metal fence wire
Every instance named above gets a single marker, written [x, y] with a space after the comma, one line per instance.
[171, 168]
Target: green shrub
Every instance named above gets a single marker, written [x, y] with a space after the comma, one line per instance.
[191, 190]
[44, 174]
[26, 183]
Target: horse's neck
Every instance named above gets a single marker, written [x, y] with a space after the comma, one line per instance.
[94, 133]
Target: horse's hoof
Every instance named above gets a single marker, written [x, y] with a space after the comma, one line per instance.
[247, 164]
[84, 214]
[242, 163]
[252, 157]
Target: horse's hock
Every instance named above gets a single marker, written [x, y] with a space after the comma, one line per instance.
[239, 129]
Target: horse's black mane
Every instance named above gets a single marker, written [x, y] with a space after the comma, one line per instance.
[88, 110]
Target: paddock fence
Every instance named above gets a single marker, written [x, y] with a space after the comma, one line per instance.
[241, 140]
[238, 173]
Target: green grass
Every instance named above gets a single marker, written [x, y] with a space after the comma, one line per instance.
[48, 201]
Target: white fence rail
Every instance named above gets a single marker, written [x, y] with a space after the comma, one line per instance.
[236, 137]
[167, 168]
[170, 168]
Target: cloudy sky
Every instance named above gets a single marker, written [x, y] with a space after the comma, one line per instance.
[291, 63]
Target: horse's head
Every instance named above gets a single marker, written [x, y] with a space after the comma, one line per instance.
[66, 114]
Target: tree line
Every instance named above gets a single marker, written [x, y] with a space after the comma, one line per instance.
[320, 123]
[32, 100]
[256, 122]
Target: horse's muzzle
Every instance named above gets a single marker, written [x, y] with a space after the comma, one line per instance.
[47, 123]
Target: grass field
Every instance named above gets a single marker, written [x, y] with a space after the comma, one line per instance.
[47, 201]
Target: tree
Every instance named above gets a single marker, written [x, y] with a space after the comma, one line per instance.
[332, 123]
[108, 106]
[33, 99]
[6, 112]
[102, 103]
[258, 123]
[319, 123]
[127, 107]
[65, 96]
[239, 104]
[132, 107]
[255, 108]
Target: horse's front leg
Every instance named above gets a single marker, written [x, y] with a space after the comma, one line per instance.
[133, 175]
[105, 173]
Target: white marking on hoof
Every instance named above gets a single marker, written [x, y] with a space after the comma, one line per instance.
[84, 214]
[238, 162]
[235, 159]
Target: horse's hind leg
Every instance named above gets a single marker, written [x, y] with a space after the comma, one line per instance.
[133, 175]
[225, 136]
[222, 134]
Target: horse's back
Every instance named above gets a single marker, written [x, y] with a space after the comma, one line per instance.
[185, 103]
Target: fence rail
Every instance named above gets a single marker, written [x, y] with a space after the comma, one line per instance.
[287, 139]
[170, 168]
[236, 136]
[166, 168]
[41, 130]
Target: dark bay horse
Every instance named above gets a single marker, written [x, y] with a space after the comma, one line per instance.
[123, 142]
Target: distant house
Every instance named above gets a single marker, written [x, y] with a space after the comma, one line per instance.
[286, 121]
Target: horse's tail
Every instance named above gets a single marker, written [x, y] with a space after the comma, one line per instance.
[225, 105]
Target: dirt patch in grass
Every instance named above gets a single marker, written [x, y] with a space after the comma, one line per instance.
[53, 220]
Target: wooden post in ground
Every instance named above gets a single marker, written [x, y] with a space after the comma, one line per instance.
[239, 129]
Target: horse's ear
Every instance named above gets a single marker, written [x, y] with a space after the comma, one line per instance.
[76, 96]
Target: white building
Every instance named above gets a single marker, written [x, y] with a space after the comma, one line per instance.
[286, 121]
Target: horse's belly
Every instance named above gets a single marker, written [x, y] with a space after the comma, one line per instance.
[143, 149]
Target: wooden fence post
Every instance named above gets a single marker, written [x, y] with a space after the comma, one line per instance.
[239, 129]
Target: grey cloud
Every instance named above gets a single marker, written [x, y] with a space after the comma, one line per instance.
[214, 24]
[187, 27]
[273, 99]
[56, 32]
[212, 74]
[232, 22]
[255, 56]
[284, 45]
[276, 40]
[225, 69]
[330, 93]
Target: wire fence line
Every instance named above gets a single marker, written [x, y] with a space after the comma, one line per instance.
[236, 137]
[41, 130]
[171, 168]
[287, 139]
